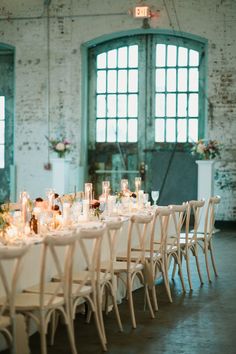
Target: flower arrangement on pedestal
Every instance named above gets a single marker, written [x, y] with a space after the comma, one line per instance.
[206, 149]
[60, 145]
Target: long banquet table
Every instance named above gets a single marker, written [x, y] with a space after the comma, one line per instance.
[32, 260]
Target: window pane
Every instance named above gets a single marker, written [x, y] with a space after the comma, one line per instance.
[133, 56]
[101, 81]
[133, 81]
[160, 105]
[160, 130]
[171, 55]
[182, 105]
[132, 130]
[122, 57]
[183, 56]
[182, 79]
[160, 80]
[171, 79]
[193, 105]
[193, 58]
[122, 81]
[160, 55]
[193, 130]
[182, 130]
[101, 106]
[1, 156]
[2, 132]
[111, 105]
[170, 130]
[111, 130]
[122, 106]
[171, 105]
[193, 79]
[111, 81]
[132, 105]
[2, 107]
[111, 58]
[122, 130]
[101, 61]
[101, 130]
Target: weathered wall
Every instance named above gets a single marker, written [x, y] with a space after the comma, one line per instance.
[23, 24]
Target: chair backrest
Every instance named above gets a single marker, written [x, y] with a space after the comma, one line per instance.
[210, 216]
[138, 232]
[179, 217]
[195, 207]
[159, 232]
[9, 278]
[60, 245]
[90, 242]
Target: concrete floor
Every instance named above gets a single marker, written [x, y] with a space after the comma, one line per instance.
[201, 321]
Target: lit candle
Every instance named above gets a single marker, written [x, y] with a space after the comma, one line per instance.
[24, 202]
[137, 184]
[88, 187]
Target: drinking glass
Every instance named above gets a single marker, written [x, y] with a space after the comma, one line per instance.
[155, 196]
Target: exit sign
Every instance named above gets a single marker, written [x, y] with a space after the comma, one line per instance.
[141, 12]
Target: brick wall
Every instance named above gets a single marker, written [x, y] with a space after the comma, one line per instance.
[23, 24]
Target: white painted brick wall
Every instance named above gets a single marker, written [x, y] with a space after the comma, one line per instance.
[23, 24]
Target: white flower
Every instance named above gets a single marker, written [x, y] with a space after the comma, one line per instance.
[60, 147]
[201, 148]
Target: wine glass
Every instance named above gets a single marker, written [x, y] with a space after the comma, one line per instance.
[155, 196]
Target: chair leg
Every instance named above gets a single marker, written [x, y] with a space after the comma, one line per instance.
[130, 300]
[99, 329]
[181, 275]
[213, 258]
[154, 297]
[167, 285]
[70, 331]
[207, 265]
[189, 272]
[149, 301]
[198, 266]
[42, 329]
[116, 309]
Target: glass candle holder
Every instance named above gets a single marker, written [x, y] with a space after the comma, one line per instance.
[137, 183]
[88, 191]
[124, 185]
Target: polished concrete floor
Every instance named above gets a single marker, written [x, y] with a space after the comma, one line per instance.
[201, 321]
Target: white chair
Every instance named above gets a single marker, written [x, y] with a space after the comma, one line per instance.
[132, 264]
[205, 240]
[9, 282]
[40, 304]
[108, 280]
[188, 240]
[158, 259]
[87, 276]
[173, 238]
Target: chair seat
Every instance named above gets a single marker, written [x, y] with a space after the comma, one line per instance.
[4, 322]
[28, 302]
[51, 287]
[121, 266]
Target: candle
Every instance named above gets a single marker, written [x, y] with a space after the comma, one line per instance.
[24, 202]
[88, 188]
[124, 185]
[137, 184]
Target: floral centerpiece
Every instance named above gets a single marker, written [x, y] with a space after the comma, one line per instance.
[60, 145]
[206, 149]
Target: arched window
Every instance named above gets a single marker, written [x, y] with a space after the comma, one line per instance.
[146, 91]
[6, 122]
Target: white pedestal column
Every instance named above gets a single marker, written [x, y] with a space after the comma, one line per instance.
[60, 175]
[205, 185]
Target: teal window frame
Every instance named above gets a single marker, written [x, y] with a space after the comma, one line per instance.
[2, 132]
